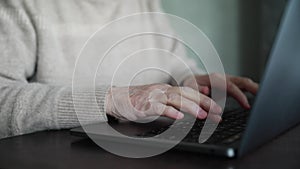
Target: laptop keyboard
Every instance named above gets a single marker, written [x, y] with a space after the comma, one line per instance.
[229, 130]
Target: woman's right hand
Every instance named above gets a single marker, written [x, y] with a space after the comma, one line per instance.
[137, 102]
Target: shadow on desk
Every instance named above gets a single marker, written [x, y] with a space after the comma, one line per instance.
[58, 149]
[282, 152]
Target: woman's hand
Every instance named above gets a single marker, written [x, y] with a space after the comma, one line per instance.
[235, 86]
[137, 102]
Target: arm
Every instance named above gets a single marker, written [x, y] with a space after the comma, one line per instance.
[28, 107]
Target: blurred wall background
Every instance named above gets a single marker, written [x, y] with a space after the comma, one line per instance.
[242, 31]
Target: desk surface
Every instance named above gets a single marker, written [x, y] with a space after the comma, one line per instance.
[58, 149]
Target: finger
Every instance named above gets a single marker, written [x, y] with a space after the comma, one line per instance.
[213, 80]
[186, 105]
[235, 92]
[245, 84]
[204, 90]
[168, 111]
[215, 118]
[210, 106]
[204, 101]
[194, 85]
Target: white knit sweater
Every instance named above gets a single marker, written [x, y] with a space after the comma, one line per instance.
[39, 43]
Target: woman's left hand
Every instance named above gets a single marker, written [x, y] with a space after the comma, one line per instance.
[234, 86]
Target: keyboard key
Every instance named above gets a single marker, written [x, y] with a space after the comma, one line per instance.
[228, 131]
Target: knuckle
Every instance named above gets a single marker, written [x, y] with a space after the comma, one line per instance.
[159, 108]
[173, 90]
[172, 97]
[195, 107]
[186, 89]
[132, 118]
[166, 85]
[154, 86]
[163, 86]
[207, 101]
[169, 110]
[215, 74]
[158, 85]
[140, 115]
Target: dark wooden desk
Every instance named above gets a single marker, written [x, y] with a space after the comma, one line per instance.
[58, 149]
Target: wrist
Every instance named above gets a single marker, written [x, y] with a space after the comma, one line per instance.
[108, 102]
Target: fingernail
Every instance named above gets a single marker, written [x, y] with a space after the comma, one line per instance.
[201, 114]
[247, 105]
[219, 119]
[180, 115]
[216, 118]
[219, 109]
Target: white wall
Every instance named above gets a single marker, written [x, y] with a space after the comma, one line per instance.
[218, 19]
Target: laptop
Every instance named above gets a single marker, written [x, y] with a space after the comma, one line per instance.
[275, 109]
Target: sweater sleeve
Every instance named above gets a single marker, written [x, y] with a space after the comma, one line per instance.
[28, 107]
